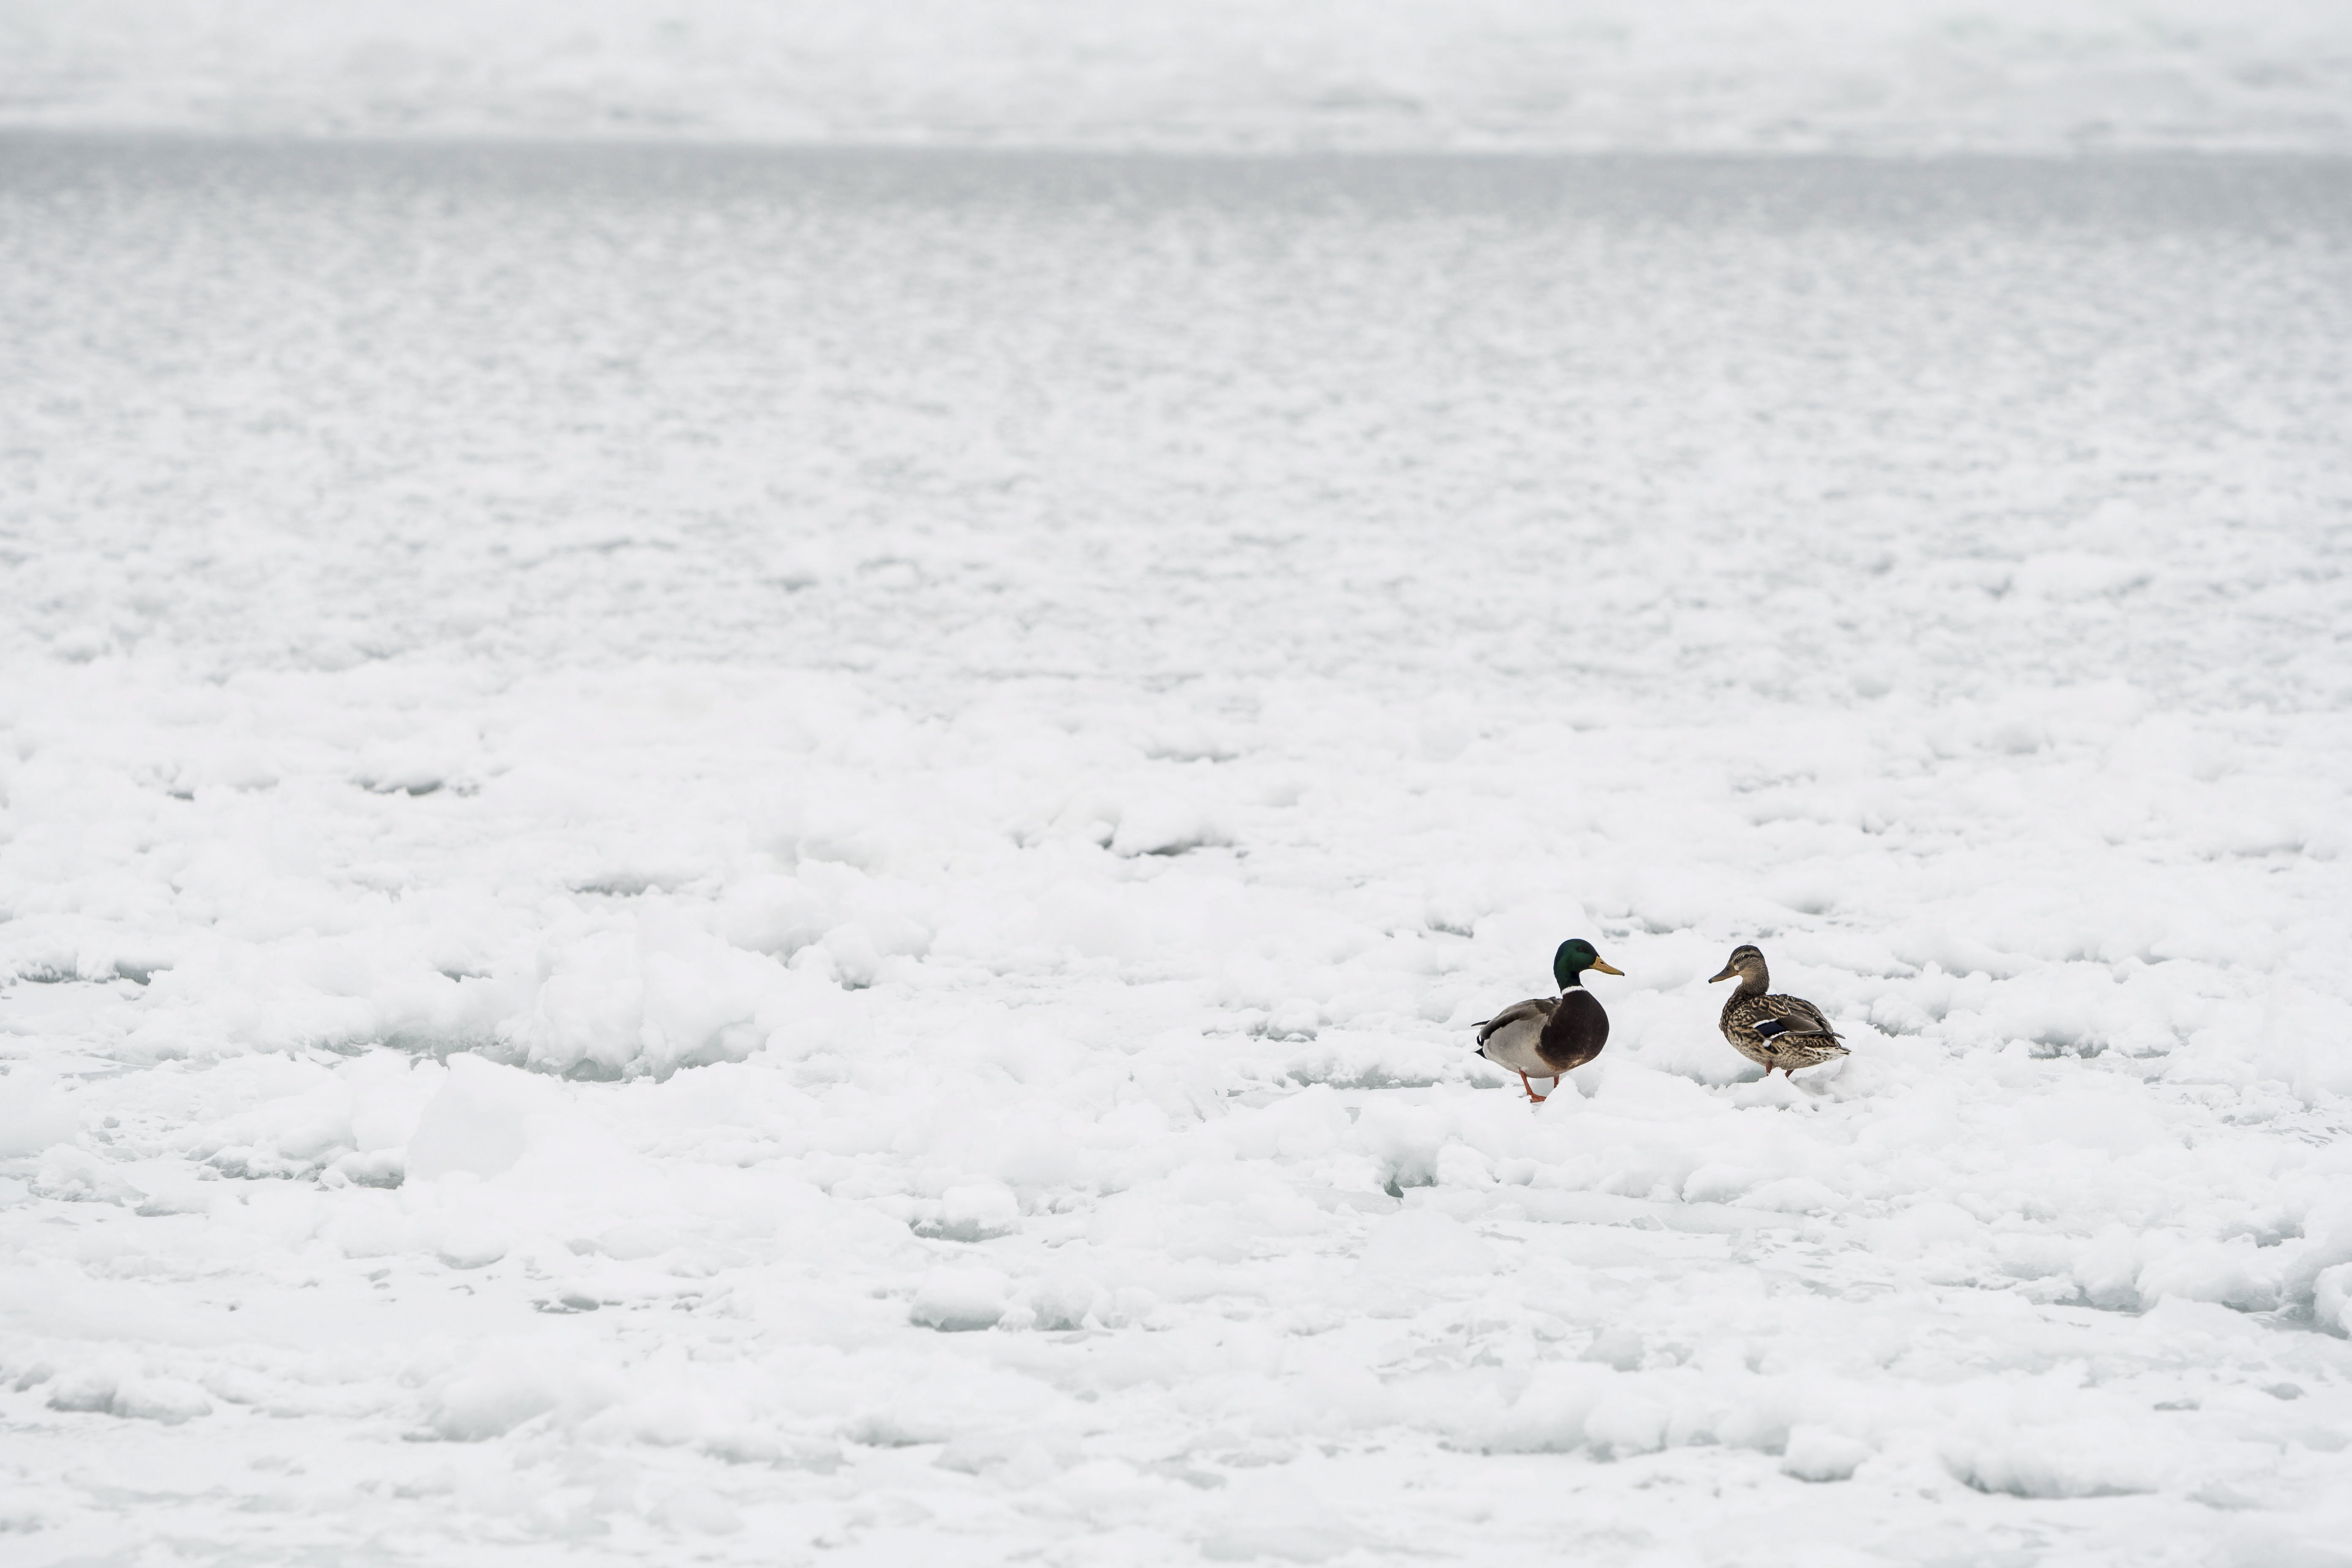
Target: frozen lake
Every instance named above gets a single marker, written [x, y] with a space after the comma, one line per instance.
[636, 783]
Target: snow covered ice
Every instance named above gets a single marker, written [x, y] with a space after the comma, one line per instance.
[786, 857]
[1644, 75]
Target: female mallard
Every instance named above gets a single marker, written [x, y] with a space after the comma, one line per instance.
[1784, 1032]
[1544, 1037]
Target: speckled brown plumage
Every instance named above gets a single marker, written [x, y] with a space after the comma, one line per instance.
[1775, 1032]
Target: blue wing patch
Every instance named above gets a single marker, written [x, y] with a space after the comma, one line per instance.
[1767, 1028]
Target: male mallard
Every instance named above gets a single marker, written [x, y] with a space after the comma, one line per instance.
[1784, 1032]
[1547, 1037]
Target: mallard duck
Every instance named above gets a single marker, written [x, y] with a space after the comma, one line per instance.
[1545, 1036]
[1784, 1032]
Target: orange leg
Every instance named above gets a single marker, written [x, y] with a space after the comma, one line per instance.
[1531, 1088]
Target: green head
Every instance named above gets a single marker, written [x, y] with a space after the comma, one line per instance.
[1575, 956]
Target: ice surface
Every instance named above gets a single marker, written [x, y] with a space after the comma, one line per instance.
[749, 857]
[1882, 75]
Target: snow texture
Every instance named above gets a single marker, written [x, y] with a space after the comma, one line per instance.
[1886, 75]
[781, 858]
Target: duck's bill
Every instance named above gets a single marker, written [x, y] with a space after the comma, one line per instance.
[1606, 967]
[1727, 973]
